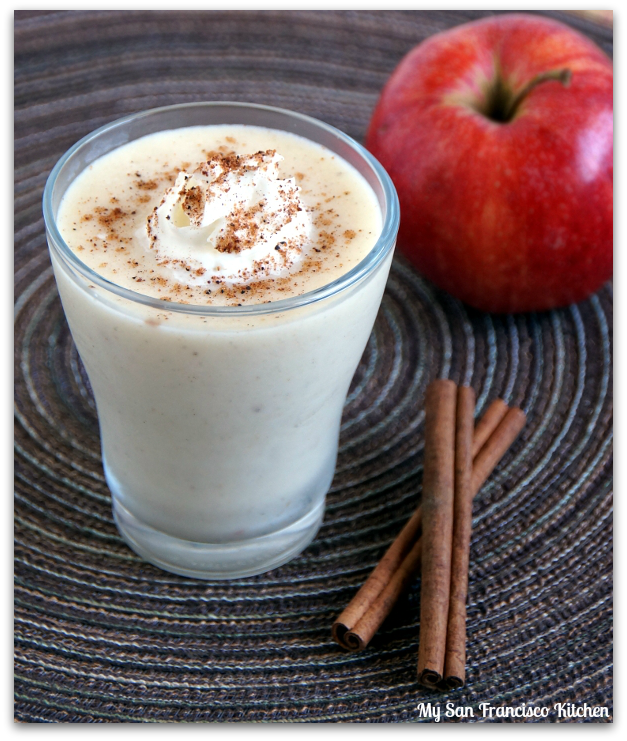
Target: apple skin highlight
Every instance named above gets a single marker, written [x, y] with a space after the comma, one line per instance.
[507, 215]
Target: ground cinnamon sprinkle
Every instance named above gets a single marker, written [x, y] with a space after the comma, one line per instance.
[193, 203]
[147, 184]
[242, 221]
[109, 216]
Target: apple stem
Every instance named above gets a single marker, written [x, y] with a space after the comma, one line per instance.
[560, 75]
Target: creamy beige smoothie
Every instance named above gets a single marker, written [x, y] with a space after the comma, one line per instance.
[221, 361]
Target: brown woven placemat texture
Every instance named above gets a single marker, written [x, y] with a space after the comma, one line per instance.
[103, 637]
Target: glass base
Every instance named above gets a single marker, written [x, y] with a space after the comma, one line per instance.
[222, 560]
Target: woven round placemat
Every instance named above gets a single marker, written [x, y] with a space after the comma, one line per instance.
[102, 636]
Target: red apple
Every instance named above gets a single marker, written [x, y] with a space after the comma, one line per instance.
[498, 135]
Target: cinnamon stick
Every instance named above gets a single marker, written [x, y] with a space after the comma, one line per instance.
[344, 629]
[455, 656]
[360, 636]
[363, 616]
[484, 463]
[437, 514]
[488, 423]
[491, 453]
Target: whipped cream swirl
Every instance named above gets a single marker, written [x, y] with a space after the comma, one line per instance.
[231, 219]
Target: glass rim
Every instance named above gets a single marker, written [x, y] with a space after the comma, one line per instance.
[366, 266]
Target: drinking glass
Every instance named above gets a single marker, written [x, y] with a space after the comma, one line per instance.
[219, 424]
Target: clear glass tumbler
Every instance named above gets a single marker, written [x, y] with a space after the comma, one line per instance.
[219, 425]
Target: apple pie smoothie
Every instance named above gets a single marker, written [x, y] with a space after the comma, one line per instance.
[220, 280]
